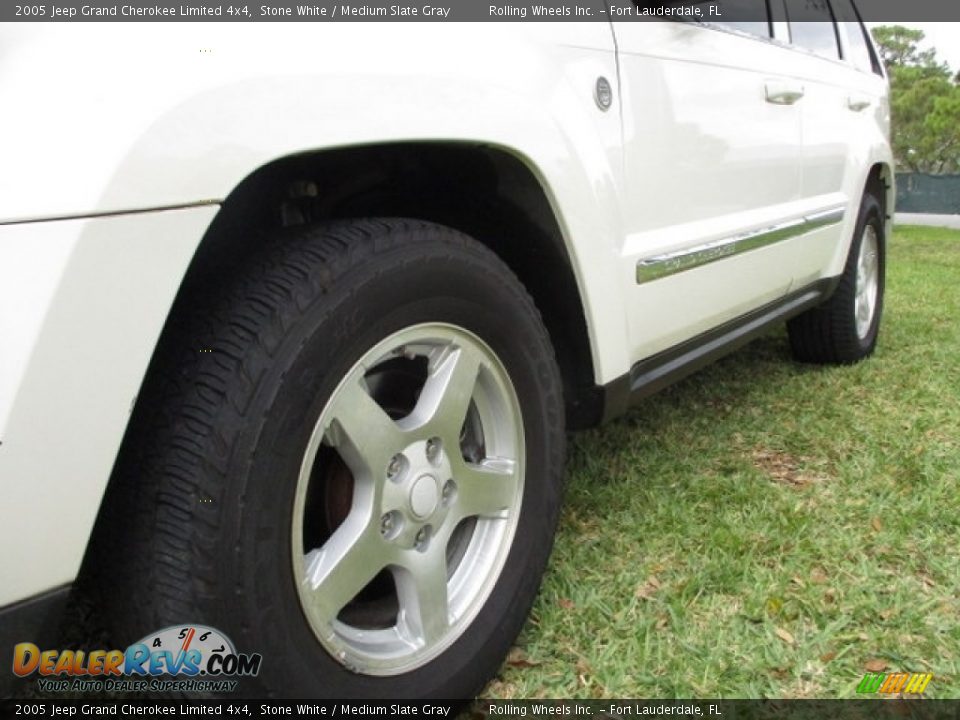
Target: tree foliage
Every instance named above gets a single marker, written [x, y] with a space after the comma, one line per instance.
[900, 46]
[925, 102]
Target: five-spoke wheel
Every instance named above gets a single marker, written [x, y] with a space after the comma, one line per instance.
[408, 499]
[868, 281]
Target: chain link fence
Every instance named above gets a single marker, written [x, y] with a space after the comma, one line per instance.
[935, 194]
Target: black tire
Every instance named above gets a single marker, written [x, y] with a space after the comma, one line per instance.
[828, 334]
[199, 510]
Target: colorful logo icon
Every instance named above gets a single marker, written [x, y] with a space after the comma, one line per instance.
[894, 683]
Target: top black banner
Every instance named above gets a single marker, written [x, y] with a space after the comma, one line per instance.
[887, 11]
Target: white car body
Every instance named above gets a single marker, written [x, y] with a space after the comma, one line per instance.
[121, 141]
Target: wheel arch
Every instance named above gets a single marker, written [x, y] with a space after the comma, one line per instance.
[881, 182]
[491, 193]
[878, 179]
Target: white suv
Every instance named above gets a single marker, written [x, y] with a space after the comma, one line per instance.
[295, 318]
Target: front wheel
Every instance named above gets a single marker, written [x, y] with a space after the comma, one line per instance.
[408, 499]
[358, 472]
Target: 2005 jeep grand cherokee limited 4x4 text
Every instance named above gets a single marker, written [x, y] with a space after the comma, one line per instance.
[295, 318]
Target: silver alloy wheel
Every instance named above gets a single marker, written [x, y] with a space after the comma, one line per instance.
[434, 502]
[868, 281]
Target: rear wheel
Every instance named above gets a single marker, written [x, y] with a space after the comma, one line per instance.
[844, 329]
[356, 472]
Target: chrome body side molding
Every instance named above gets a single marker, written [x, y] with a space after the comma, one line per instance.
[661, 266]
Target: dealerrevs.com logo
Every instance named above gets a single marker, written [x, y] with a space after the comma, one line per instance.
[182, 658]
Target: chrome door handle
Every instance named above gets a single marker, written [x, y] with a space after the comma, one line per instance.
[857, 103]
[781, 93]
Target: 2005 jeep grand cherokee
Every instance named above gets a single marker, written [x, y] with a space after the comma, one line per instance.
[295, 319]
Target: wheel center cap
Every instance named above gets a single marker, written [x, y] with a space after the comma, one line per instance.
[424, 495]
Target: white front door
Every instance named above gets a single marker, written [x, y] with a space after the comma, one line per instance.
[712, 143]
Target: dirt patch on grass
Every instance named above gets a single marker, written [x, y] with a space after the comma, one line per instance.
[783, 468]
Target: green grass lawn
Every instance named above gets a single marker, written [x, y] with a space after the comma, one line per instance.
[768, 529]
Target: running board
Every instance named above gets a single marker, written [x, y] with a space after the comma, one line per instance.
[667, 367]
[653, 374]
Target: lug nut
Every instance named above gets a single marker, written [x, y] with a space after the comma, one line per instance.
[387, 524]
[449, 490]
[434, 449]
[423, 537]
[394, 467]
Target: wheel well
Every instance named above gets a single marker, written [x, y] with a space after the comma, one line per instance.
[484, 192]
[880, 184]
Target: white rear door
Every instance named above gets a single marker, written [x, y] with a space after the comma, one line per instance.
[842, 96]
